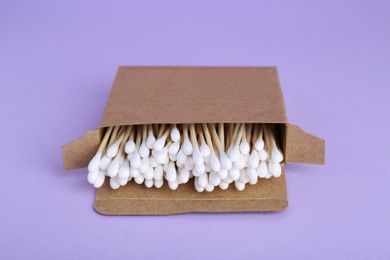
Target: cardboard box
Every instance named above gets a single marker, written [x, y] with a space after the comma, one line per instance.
[147, 95]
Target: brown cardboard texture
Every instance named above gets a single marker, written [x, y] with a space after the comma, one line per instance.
[146, 95]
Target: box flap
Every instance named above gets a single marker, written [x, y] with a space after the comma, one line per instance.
[144, 95]
[301, 147]
[133, 199]
[78, 153]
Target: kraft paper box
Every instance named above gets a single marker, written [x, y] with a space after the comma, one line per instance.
[146, 95]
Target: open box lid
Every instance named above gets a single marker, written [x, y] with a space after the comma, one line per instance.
[147, 95]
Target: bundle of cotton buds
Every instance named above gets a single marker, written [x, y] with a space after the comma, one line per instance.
[212, 154]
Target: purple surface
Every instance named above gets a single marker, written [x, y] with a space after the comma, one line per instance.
[57, 63]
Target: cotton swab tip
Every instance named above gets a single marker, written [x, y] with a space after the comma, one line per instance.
[259, 144]
[214, 162]
[205, 150]
[150, 141]
[130, 147]
[276, 155]
[175, 134]
[113, 150]
[240, 186]
[159, 144]
[253, 160]
[274, 169]
[93, 176]
[114, 184]
[187, 147]
[244, 147]
[234, 153]
[94, 163]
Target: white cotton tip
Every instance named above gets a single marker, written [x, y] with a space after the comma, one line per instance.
[253, 182]
[130, 147]
[171, 172]
[93, 176]
[161, 156]
[121, 182]
[262, 170]
[228, 180]
[214, 162]
[226, 163]
[174, 148]
[209, 187]
[165, 167]
[189, 164]
[200, 169]
[214, 178]
[105, 162]
[159, 144]
[274, 169]
[149, 174]
[135, 160]
[223, 174]
[113, 149]
[197, 187]
[240, 163]
[181, 157]
[251, 173]
[172, 157]
[139, 179]
[240, 186]
[150, 141]
[187, 147]
[268, 175]
[158, 183]
[263, 155]
[173, 185]
[203, 180]
[253, 160]
[197, 157]
[144, 166]
[223, 185]
[158, 173]
[234, 173]
[205, 150]
[243, 176]
[124, 170]
[144, 151]
[206, 159]
[152, 162]
[175, 134]
[207, 167]
[234, 153]
[114, 184]
[276, 155]
[100, 180]
[134, 172]
[94, 163]
[149, 183]
[259, 144]
[244, 147]
[184, 175]
[113, 169]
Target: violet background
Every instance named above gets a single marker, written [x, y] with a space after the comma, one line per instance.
[57, 64]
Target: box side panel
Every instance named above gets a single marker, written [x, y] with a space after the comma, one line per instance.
[78, 153]
[301, 147]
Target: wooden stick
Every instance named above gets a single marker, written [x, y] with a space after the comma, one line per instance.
[221, 133]
[103, 143]
[216, 139]
[193, 136]
[124, 140]
[239, 134]
[208, 137]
